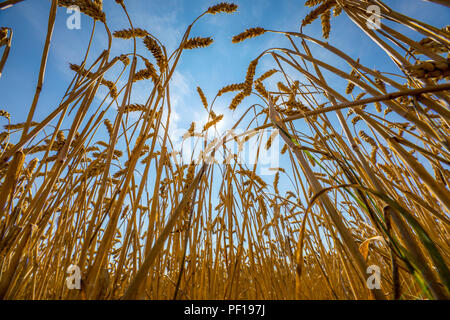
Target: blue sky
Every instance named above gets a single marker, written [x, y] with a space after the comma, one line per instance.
[210, 68]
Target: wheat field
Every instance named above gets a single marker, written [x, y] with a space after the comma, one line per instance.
[111, 195]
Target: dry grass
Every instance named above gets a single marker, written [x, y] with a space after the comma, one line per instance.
[141, 225]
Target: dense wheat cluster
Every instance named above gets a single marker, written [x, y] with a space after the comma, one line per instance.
[109, 194]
